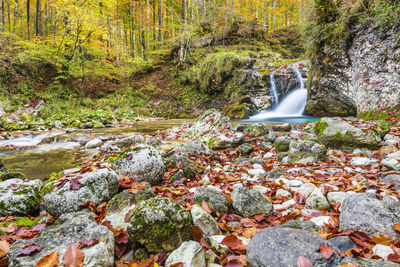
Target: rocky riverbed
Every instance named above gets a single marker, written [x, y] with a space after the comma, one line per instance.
[318, 194]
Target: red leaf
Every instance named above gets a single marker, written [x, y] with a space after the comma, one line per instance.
[128, 215]
[205, 207]
[394, 257]
[197, 233]
[29, 249]
[75, 184]
[38, 227]
[304, 262]
[326, 251]
[61, 184]
[231, 241]
[14, 186]
[178, 264]
[73, 257]
[234, 261]
[87, 243]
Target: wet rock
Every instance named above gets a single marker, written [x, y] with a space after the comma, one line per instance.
[18, 197]
[284, 127]
[204, 221]
[98, 186]
[72, 227]
[302, 152]
[215, 199]
[257, 129]
[143, 163]
[280, 246]
[337, 134]
[246, 149]
[160, 224]
[282, 143]
[366, 213]
[190, 253]
[247, 202]
[118, 144]
[122, 203]
[94, 143]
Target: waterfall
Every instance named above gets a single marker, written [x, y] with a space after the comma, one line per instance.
[292, 105]
[274, 94]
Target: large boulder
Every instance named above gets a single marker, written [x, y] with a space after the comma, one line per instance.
[142, 163]
[98, 186]
[367, 213]
[249, 202]
[18, 197]
[190, 253]
[214, 198]
[302, 152]
[160, 224]
[123, 203]
[280, 247]
[338, 133]
[257, 129]
[70, 229]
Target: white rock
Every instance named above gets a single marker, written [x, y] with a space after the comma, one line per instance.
[215, 242]
[94, 143]
[268, 155]
[294, 183]
[257, 172]
[336, 197]
[205, 180]
[317, 201]
[261, 189]
[306, 189]
[358, 161]
[284, 193]
[382, 251]
[190, 253]
[319, 221]
[204, 221]
[257, 166]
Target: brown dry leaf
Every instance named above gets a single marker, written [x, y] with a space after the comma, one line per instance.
[50, 260]
[326, 251]
[73, 257]
[197, 233]
[250, 232]
[304, 262]
[382, 239]
[231, 241]
[4, 246]
[206, 207]
[397, 227]
[10, 228]
[178, 264]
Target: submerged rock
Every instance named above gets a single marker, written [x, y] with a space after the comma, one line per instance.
[279, 246]
[302, 152]
[160, 224]
[71, 228]
[337, 134]
[117, 145]
[367, 213]
[18, 197]
[142, 163]
[98, 186]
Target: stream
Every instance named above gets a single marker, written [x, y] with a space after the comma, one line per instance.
[38, 160]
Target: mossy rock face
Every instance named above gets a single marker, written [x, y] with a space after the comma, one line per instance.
[257, 129]
[160, 224]
[282, 143]
[11, 175]
[18, 197]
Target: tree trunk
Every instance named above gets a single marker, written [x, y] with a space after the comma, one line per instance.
[160, 22]
[38, 24]
[28, 18]
[15, 15]
[2, 13]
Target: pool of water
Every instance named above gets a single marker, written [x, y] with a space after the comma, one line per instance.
[285, 119]
[40, 160]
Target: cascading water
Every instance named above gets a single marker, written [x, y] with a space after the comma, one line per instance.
[292, 105]
[274, 94]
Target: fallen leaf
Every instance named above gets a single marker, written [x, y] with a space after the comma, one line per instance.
[14, 186]
[197, 233]
[206, 207]
[304, 262]
[326, 251]
[87, 243]
[349, 265]
[397, 227]
[178, 264]
[394, 258]
[12, 227]
[73, 257]
[231, 241]
[4, 246]
[50, 260]
[234, 261]
[382, 239]
[75, 184]
[29, 249]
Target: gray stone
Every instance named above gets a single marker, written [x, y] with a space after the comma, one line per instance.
[190, 253]
[94, 143]
[193, 147]
[246, 149]
[204, 221]
[160, 224]
[392, 161]
[364, 262]
[72, 227]
[282, 143]
[257, 129]
[18, 197]
[143, 163]
[284, 127]
[317, 201]
[359, 161]
[98, 186]
[224, 141]
[280, 247]
[215, 199]
[392, 179]
[336, 197]
[302, 152]
[247, 202]
[366, 213]
[343, 243]
[118, 144]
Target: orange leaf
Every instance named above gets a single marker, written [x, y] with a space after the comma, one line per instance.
[231, 241]
[326, 251]
[349, 265]
[382, 239]
[73, 257]
[206, 207]
[304, 262]
[50, 260]
[4, 246]
[178, 264]
[397, 227]
[197, 233]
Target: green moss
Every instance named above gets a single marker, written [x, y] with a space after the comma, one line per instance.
[238, 112]
[22, 222]
[320, 127]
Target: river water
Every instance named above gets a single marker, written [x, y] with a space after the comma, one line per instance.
[40, 160]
